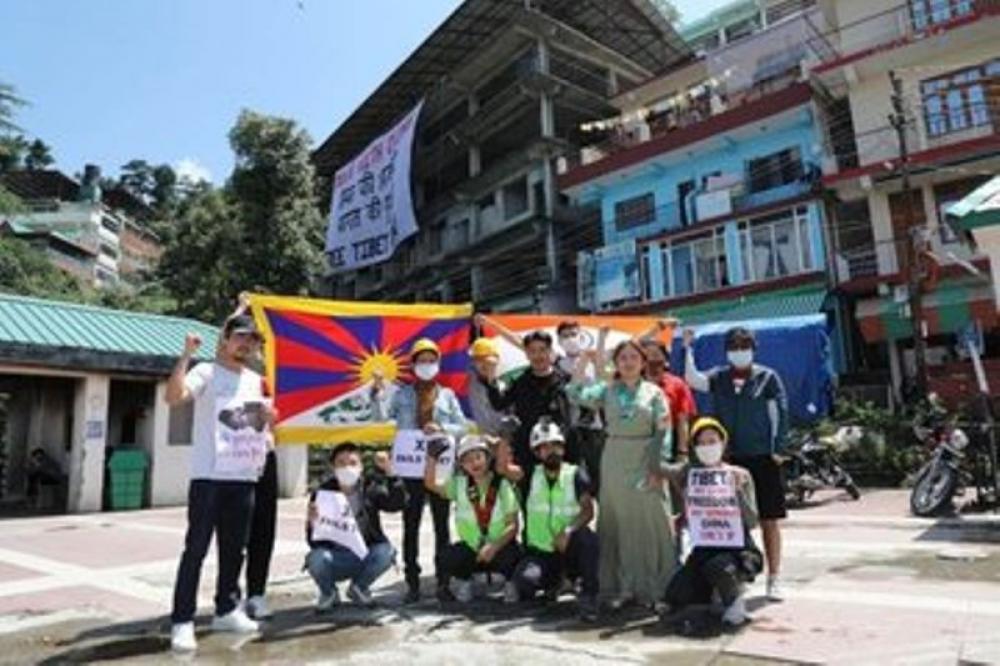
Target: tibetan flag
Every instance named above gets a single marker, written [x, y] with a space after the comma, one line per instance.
[322, 356]
[512, 359]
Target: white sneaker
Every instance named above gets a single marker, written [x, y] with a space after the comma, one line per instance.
[775, 591]
[360, 596]
[463, 591]
[182, 637]
[327, 601]
[735, 614]
[511, 595]
[256, 609]
[235, 622]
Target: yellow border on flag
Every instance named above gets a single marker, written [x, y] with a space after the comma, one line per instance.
[318, 306]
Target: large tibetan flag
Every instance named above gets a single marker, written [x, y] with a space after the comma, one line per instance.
[620, 328]
[322, 356]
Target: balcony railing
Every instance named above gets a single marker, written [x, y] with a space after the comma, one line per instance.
[909, 21]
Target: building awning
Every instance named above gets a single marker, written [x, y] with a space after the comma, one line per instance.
[81, 337]
[980, 208]
[778, 304]
[947, 309]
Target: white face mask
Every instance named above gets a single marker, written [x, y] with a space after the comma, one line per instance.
[709, 455]
[426, 371]
[348, 476]
[742, 358]
[570, 345]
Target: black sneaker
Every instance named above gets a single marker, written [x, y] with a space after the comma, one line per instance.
[444, 593]
[588, 609]
[412, 593]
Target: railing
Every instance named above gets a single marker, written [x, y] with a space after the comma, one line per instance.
[912, 20]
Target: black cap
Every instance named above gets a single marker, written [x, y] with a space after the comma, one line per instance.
[240, 324]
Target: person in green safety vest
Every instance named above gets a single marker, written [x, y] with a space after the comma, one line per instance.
[487, 518]
[560, 507]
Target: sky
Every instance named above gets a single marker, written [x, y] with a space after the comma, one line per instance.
[109, 81]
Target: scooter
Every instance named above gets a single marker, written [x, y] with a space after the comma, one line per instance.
[813, 465]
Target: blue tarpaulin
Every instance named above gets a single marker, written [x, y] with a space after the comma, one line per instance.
[797, 348]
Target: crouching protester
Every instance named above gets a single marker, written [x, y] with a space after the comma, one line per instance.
[486, 518]
[344, 530]
[559, 542]
[720, 511]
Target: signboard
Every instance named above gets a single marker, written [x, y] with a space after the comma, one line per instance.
[408, 453]
[616, 273]
[713, 510]
[372, 209]
[335, 522]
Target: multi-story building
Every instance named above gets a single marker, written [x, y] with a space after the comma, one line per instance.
[708, 181]
[946, 57]
[506, 84]
[94, 236]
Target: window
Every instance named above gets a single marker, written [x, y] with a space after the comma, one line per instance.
[925, 13]
[960, 100]
[742, 29]
[109, 251]
[635, 212]
[181, 424]
[110, 225]
[775, 170]
[515, 198]
[776, 246]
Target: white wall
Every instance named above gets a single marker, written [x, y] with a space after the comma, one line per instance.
[170, 468]
[90, 428]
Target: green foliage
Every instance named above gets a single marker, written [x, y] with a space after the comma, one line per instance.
[26, 270]
[262, 231]
[39, 155]
[13, 149]
[888, 452]
[9, 101]
[9, 202]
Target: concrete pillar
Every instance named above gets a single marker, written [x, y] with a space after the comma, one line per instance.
[885, 249]
[90, 430]
[293, 469]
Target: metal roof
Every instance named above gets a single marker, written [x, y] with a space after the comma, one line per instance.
[36, 325]
[635, 29]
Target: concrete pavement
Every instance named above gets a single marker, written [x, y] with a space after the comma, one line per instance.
[866, 585]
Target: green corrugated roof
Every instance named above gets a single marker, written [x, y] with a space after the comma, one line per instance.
[771, 305]
[55, 324]
[981, 208]
[724, 16]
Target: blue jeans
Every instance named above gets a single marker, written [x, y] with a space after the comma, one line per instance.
[329, 564]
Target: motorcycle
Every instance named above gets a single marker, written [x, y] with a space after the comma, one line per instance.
[812, 465]
[940, 478]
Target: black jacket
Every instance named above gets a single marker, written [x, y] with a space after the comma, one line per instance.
[531, 398]
[379, 493]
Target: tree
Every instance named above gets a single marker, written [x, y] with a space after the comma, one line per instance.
[273, 190]
[137, 178]
[39, 155]
[12, 151]
[9, 202]
[25, 270]
[9, 101]
[197, 266]
[164, 192]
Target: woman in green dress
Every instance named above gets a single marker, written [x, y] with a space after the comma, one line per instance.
[638, 554]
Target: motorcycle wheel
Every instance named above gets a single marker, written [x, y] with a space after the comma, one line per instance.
[933, 490]
[847, 483]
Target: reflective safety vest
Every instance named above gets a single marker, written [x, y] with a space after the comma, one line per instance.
[551, 507]
[465, 514]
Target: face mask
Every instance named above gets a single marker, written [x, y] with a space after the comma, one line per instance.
[742, 358]
[709, 454]
[570, 345]
[347, 477]
[426, 371]
[553, 461]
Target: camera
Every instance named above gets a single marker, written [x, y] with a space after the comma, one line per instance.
[437, 445]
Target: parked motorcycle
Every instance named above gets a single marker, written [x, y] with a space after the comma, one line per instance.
[941, 477]
[812, 464]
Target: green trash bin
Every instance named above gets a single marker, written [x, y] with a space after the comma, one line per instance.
[127, 469]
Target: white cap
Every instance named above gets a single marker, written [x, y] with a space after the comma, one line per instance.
[471, 443]
[546, 431]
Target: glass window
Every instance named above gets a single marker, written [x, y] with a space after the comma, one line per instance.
[937, 124]
[706, 264]
[786, 248]
[681, 271]
[765, 265]
[957, 115]
[978, 109]
[805, 248]
[634, 212]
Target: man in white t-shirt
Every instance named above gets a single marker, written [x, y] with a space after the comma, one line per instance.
[231, 423]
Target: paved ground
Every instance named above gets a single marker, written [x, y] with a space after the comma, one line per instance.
[867, 585]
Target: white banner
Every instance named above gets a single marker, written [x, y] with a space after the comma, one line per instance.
[372, 209]
[408, 451]
[713, 510]
[335, 522]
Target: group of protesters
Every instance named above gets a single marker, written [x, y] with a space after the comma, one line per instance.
[585, 434]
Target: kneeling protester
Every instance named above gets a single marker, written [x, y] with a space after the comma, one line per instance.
[486, 518]
[720, 510]
[344, 530]
[559, 542]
